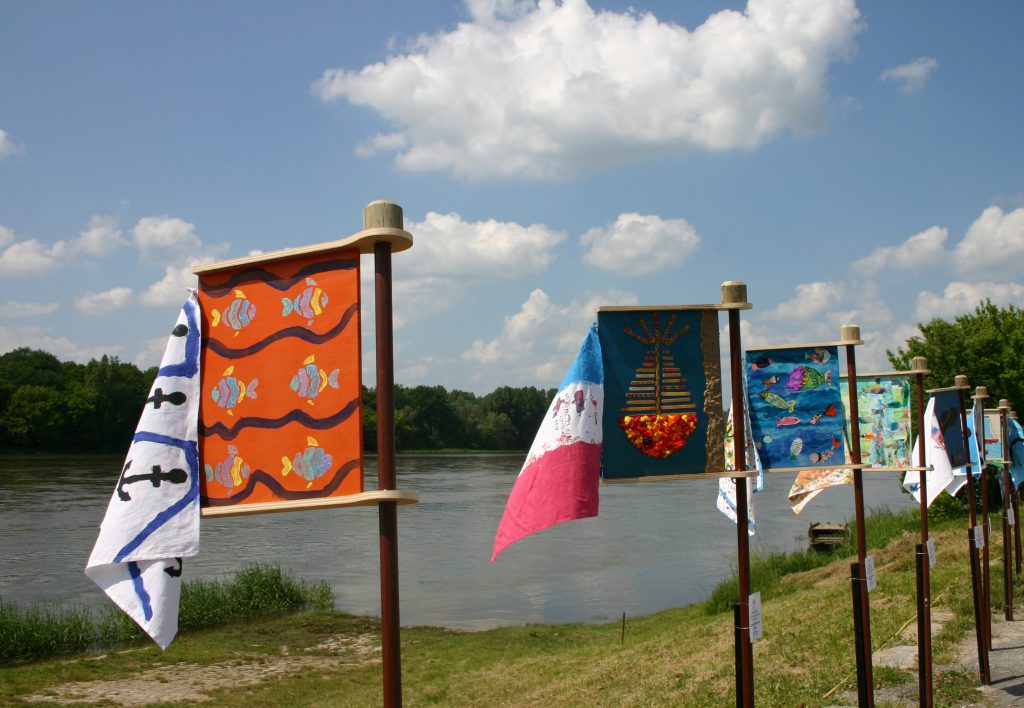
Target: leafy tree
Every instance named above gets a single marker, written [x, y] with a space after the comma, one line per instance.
[986, 345]
[35, 418]
[525, 408]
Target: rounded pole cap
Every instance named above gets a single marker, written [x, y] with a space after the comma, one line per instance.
[734, 291]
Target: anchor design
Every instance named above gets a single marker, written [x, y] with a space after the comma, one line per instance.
[175, 398]
[174, 572]
[174, 476]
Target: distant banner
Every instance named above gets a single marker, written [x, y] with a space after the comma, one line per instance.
[883, 407]
[810, 483]
[796, 412]
[993, 435]
[663, 395]
[948, 415]
[281, 390]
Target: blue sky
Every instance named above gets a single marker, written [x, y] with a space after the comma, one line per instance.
[851, 162]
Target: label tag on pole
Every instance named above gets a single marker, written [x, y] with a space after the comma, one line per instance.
[1009, 516]
[756, 629]
[990, 526]
[869, 572]
[931, 553]
[979, 537]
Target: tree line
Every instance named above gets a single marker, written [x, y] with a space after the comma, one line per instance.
[49, 405]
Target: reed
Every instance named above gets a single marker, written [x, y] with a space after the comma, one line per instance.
[48, 630]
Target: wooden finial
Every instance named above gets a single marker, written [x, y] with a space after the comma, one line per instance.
[961, 381]
[981, 392]
[734, 291]
[849, 333]
[1004, 404]
[383, 213]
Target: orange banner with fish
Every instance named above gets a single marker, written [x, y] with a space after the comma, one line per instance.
[281, 417]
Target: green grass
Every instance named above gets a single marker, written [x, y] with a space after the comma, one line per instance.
[45, 630]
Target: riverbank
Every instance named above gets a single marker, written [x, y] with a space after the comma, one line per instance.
[677, 657]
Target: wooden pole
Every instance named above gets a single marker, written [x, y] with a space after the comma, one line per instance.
[851, 333]
[924, 614]
[961, 383]
[735, 291]
[981, 393]
[1004, 436]
[388, 215]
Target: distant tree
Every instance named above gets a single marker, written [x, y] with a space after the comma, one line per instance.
[986, 345]
[525, 408]
[35, 419]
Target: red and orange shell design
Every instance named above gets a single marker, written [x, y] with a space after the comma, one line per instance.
[658, 435]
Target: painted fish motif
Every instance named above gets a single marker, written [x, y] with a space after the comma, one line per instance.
[819, 356]
[309, 303]
[230, 390]
[805, 378]
[238, 315]
[771, 381]
[824, 455]
[762, 363]
[231, 471]
[774, 399]
[830, 411]
[796, 448]
[310, 381]
[787, 421]
[767, 439]
[312, 463]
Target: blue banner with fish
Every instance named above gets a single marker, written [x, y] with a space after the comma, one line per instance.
[796, 412]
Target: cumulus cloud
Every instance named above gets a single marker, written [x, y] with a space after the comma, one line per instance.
[8, 148]
[536, 345]
[811, 301]
[104, 303]
[27, 309]
[961, 298]
[636, 244]
[912, 76]
[926, 249]
[165, 238]
[994, 245]
[62, 347]
[30, 257]
[542, 90]
[101, 237]
[172, 288]
[6, 236]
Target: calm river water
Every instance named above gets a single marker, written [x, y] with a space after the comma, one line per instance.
[653, 546]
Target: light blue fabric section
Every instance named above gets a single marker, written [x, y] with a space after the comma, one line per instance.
[588, 367]
[1016, 441]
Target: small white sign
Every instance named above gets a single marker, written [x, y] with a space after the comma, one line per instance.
[931, 553]
[979, 537]
[756, 629]
[869, 572]
[1010, 519]
[990, 526]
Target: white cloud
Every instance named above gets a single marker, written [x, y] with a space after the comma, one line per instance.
[27, 309]
[101, 237]
[994, 245]
[448, 247]
[923, 250]
[811, 301]
[30, 257]
[172, 289]
[640, 245]
[912, 76]
[536, 345]
[161, 239]
[541, 90]
[104, 303]
[8, 148]
[962, 298]
[61, 347]
[6, 236]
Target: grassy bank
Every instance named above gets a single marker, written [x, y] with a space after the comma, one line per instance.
[44, 630]
[677, 657]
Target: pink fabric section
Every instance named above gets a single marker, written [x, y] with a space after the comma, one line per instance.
[561, 485]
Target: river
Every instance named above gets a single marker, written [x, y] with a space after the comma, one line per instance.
[653, 546]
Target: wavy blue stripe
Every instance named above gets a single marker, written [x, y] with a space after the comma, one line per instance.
[190, 365]
[140, 589]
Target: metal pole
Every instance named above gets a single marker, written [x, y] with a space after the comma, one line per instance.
[851, 333]
[735, 291]
[1004, 437]
[924, 592]
[390, 215]
[979, 620]
[986, 575]
[863, 692]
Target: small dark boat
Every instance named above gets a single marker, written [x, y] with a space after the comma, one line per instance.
[825, 536]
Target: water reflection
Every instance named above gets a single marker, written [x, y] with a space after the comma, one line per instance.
[653, 546]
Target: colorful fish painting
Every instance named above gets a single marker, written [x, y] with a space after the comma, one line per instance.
[238, 315]
[819, 356]
[762, 363]
[230, 390]
[310, 381]
[770, 381]
[787, 421]
[826, 454]
[884, 417]
[774, 399]
[803, 378]
[830, 412]
[308, 304]
[795, 448]
[230, 472]
[312, 463]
